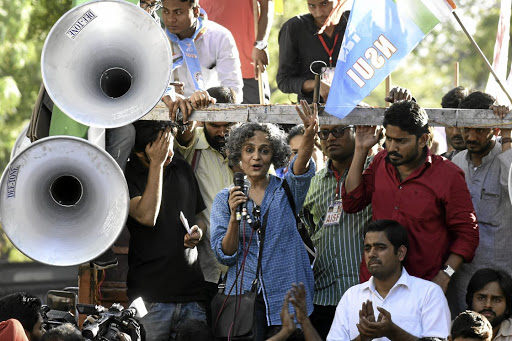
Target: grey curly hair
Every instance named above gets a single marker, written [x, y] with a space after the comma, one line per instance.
[242, 131]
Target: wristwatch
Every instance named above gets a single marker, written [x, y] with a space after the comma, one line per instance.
[260, 44]
[448, 270]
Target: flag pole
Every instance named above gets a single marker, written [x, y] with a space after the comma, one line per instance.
[477, 48]
[456, 75]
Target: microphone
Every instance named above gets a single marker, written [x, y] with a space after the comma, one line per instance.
[239, 180]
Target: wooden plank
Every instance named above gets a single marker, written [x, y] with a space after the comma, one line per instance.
[286, 114]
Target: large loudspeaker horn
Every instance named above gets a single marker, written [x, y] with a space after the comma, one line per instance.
[64, 201]
[106, 63]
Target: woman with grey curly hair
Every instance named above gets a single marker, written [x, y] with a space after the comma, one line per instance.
[284, 260]
[243, 131]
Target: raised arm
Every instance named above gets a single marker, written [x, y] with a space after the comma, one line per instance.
[145, 209]
[310, 120]
[366, 138]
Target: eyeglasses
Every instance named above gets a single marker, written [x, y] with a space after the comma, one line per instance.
[150, 6]
[336, 132]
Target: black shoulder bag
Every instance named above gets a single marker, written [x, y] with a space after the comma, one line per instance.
[233, 316]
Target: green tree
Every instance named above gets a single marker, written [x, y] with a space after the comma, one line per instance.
[24, 25]
[429, 70]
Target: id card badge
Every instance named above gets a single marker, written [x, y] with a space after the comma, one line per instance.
[327, 74]
[333, 213]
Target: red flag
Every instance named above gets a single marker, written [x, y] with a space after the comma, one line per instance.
[334, 17]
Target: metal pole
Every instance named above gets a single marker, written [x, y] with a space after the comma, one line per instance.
[477, 48]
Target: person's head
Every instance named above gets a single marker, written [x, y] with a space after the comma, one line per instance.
[478, 140]
[215, 132]
[338, 141]
[193, 330]
[294, 140]
[150, 6]
[256, 146]
[453, 97]
[180, 16]
[25, 308]
[385, 248]
[470, 326]
[489, 293]
[64, 332]
[407, 132]
[146, 133]
[452, 100]
[12, 330]
[320, 10]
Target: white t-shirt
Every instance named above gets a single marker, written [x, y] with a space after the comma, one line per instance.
[218, 56]
[417, 306]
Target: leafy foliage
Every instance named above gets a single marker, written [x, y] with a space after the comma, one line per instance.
[24, 25]
[429, 70]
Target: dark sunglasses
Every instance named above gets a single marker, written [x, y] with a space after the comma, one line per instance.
[336, 132]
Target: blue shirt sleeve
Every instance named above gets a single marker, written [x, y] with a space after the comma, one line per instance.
[299, 184]
[219, 221]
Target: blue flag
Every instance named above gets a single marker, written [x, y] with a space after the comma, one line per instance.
[379, 35]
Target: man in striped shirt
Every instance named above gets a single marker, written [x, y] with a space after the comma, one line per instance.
[338, 236]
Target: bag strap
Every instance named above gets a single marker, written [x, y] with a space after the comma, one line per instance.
[195, 159]
[306, 239]
[288, 192]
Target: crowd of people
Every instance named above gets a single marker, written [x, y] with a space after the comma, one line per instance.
[405, 240]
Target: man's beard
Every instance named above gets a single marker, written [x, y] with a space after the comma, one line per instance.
[483, 148]
[401, 161]
[496, 321]
[216, 142]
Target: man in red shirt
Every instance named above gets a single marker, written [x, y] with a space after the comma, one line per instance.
[424, 192]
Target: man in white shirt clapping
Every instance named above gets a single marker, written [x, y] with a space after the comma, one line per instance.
[392, 305]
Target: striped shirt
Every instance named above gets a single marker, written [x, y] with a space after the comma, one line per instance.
[339, 247]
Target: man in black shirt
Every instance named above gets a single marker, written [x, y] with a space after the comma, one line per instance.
[163, 265]
[300, 45]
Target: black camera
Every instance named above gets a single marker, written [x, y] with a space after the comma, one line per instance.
[104, 324]
[60, 308]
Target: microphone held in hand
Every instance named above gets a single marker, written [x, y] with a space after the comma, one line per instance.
[240, 181]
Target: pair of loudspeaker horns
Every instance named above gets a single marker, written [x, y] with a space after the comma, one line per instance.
[63, 200]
